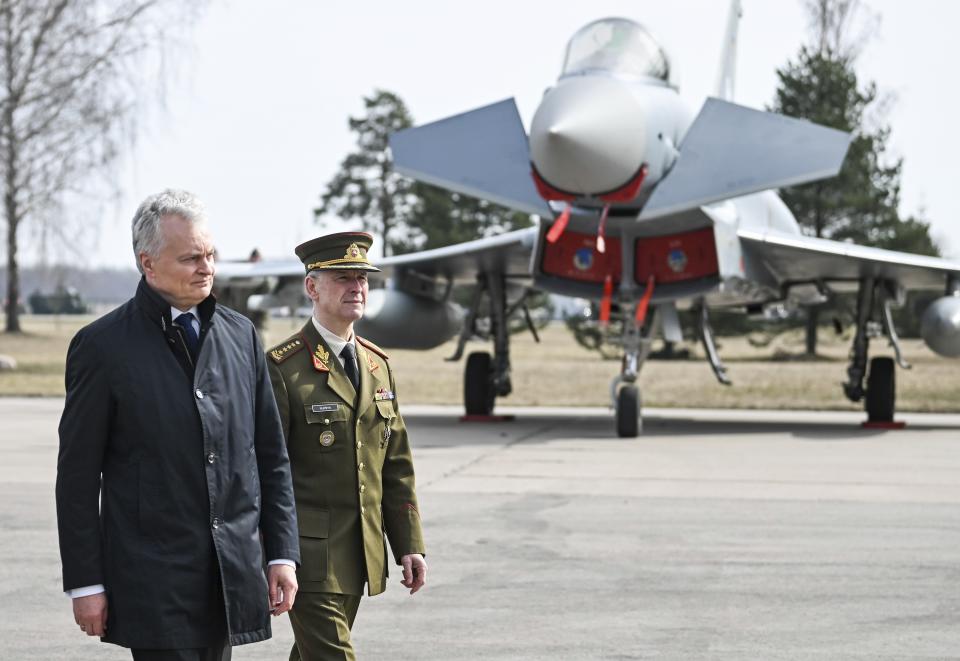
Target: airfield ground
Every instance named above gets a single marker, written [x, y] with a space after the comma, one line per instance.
[720, 535]
[559, 372]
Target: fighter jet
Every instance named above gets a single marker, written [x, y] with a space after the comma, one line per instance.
[644, 207]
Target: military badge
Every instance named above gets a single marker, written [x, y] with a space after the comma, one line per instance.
[324, 408]
[383, 395]
[281, 353]
[583, 259]
[320, 358]
[327, 438]
[353, 252]
[386, 437]
[677, 260]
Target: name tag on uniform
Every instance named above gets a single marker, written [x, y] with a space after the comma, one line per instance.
[326, 407]
[383, 395]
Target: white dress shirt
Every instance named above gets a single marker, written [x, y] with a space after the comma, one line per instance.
[334, 341]
[176, 312]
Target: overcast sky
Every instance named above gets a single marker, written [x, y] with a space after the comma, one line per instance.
[256, 118]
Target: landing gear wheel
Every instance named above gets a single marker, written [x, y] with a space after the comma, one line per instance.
[628, 412]
[478, 393]
[881, 390]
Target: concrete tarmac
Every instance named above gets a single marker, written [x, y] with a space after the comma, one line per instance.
[716, 535]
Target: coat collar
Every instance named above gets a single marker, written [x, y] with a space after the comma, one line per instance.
[157, 308]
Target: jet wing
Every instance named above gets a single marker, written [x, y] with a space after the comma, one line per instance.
[240, 272]
[793, 258]
[508, 254]
[482, 153]
[732, 150]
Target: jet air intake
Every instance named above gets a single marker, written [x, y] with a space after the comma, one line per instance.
[588, 139]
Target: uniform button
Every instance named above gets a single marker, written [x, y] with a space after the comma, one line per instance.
[360, 467]
[198, 393]
[216, 522]
[359, 445]
[361, 509]
[362, 488]
[326, 421]
[211, 457]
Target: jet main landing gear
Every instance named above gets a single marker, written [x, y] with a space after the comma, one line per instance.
[879, 396]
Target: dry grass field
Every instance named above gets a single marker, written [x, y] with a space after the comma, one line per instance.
[558, 372]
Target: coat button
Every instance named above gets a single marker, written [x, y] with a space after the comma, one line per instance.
[359, 445]
[360, 466]
[198, 393]
[362, 488]
[216, 522]
[361, 509]
[326, 421]
[211, 457]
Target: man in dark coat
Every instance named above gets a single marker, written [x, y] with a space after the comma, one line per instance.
[173, 482]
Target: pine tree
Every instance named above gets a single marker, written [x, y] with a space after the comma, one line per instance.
[366, 189]
[861, 204]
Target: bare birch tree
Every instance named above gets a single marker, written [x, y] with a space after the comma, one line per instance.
[67, 95]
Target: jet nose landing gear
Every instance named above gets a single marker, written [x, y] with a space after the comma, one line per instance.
[628, 411]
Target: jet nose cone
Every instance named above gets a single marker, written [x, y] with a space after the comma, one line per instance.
[588, 135]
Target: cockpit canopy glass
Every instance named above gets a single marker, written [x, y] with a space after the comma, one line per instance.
[616, 45]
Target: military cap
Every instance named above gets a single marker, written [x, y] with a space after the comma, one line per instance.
[343, 251]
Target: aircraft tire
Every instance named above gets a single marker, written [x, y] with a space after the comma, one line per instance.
[881, 390]
[478, 393]
[628, 412]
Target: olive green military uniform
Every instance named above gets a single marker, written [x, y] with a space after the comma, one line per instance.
[353, 480]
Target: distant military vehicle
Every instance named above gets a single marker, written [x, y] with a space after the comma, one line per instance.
[64, 300]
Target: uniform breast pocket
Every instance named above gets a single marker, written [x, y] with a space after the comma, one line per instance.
[386, 414]
[329, 421]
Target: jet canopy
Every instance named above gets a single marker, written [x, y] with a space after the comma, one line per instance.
[618, 46]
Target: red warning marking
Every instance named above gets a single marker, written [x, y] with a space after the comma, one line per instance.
[891, 424]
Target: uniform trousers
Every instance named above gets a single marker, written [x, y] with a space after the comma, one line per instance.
[321, 624]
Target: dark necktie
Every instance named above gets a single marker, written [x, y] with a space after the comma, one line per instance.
[185, 321]
[349, 355]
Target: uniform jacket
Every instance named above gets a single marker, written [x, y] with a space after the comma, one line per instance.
[193, 469]
[351, 463]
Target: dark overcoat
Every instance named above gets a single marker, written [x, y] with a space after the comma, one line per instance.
[191, 472]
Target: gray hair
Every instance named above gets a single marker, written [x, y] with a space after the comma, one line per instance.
[147, 236]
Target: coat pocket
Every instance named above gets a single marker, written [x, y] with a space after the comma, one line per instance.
[314, 533]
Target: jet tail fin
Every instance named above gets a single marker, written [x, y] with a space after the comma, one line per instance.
[732, 150]
[481, 153]
[726, 76]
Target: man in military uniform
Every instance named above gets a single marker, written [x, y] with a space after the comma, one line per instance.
[349, 454]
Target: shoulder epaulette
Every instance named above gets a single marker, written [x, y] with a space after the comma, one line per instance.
[286, 349]
[373, 347]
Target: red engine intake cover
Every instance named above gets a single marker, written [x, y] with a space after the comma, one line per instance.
[574, 256]
[677, 257]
